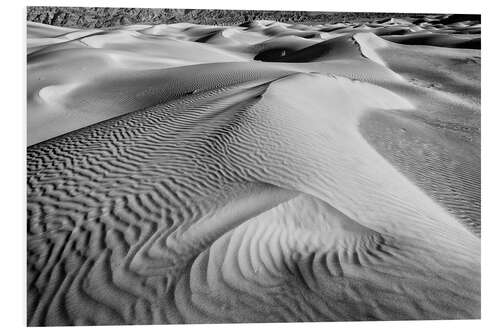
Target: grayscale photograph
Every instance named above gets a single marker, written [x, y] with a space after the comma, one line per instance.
[190, 166]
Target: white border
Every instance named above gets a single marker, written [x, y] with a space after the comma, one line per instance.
[13, 140]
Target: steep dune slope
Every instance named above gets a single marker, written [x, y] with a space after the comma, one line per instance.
[438, 144]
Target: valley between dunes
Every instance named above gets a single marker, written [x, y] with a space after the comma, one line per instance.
[264, 172]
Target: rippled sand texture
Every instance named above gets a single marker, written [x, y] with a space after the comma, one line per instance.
[258, 173]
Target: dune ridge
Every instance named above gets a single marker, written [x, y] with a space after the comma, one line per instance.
[261, 173]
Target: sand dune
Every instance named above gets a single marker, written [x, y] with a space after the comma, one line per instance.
[257, 173]
[439, 39]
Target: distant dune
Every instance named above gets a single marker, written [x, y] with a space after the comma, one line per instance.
[262, 172]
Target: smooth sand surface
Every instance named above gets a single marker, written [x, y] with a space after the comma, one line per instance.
[257, 173]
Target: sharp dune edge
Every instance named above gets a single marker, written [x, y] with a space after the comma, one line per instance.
[267, 172]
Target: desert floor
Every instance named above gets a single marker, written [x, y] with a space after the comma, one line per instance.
[264, 172]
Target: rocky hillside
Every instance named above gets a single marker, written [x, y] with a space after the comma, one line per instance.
[100, 17]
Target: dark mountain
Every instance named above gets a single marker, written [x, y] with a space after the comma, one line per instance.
[101, 17]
